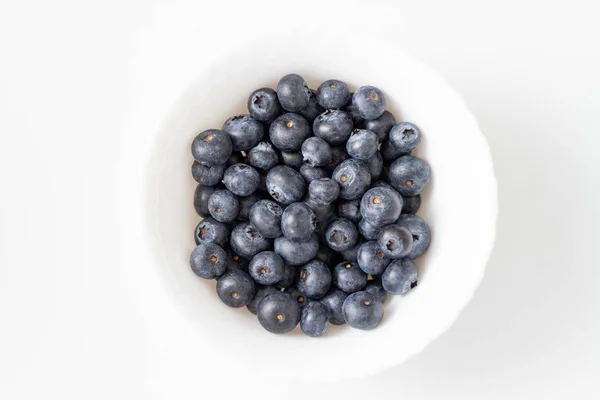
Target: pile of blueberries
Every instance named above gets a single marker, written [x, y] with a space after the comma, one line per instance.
[308, 206]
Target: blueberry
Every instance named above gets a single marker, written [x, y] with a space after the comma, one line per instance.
[362, 144]
[247, 242]
[288, 132]
[338, 155]
[292, 159]
[349, 209]
[289, 277]
[201, 196]
[298, 221]
[263, 156]
[369, 102]
[314, 319]
[208, 260]
[212, 147]
[351, 254]
[421, 234]
[208, 175]
[245, 132]
[376, 289]
[381, 206]
[298, 296]
[324, 190]
[333, 126]
[371, 259]
[266, 268]
[368, 231]
[381, 126]
[234, 261]
[241, 179]
[261, 293]
[362, 310]
[223, 206]
[236, 288]
[411, 204]
[246, 204]
[278, 313]
[333, 94]
[348, 277]
[375, 165]
[296, 252]
[313, 110]
[210, 230]
[353, 177]
[341, 234]
[323, 211]
[409, 175]
[316, 151]
[293, 93]
[389, 152]
[236, 157]
[400, 276]
[311, 173]
[395, 241]
[314, 279]
[405, 137]
[285, 184]
[263, 105]
[265, 216]
[333, 301]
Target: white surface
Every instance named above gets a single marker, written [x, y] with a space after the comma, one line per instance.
[452, 144]
[72, 71]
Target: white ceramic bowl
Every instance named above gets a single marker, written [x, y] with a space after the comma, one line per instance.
[460, 205]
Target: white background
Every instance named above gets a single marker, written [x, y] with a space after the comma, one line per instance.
[70, 74]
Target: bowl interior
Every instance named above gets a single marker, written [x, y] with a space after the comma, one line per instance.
[460, 206]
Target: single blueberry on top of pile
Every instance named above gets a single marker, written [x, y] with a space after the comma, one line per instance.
[316, 151]
[289, 131]
[298, 221]
[324, 190]
[381, 206]
[209, 230]
[207, 175]
[208, 260]
[285, 184]
[362, 310]
[263, 105]
[223, 206]
[409, 175]
[368, 102]
[236, 288]
[333, 94]
[241, 179]
[400, 276]
[314, 279]
[263, 156]
[353, 177]
[395, 241]
[265, 216]
[278, 312]
[362, 144]
[293, 93]
[212, 147]
[245, 131]
[333, 126]
[405, 137]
